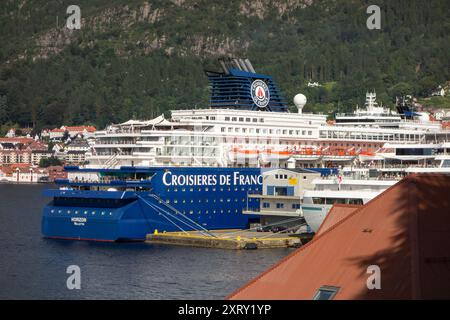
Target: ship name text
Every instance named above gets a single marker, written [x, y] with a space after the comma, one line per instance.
[236, 178]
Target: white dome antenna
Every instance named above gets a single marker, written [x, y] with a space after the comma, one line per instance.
[300, 101]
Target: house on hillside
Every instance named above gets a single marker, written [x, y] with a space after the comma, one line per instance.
[56, 134]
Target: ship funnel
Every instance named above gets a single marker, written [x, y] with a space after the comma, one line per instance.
[224, 67]
[231, 88]
[236, 64]
[242, 64]
[249, 66]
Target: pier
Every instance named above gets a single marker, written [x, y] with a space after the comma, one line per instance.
[225, 239]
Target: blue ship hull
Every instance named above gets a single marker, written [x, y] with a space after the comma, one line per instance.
[174, 199]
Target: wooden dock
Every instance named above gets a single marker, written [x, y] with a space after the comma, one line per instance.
[225, 239]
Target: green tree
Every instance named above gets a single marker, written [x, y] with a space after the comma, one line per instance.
[3, 109]
[427, 85]
[51, 161]
[401, 89]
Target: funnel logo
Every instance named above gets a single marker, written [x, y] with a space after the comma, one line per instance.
[260, 93]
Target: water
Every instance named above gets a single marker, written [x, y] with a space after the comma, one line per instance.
[32, 267]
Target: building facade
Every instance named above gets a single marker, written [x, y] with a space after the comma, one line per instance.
[282, 194]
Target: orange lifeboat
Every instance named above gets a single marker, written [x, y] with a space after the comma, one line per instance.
[243, 154]
[272, 155]
[367, 153]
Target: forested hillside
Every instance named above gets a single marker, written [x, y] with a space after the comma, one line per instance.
[137, 59]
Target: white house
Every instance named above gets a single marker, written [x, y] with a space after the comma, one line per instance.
[11, 133]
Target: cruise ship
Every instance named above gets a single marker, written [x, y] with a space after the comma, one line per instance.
[374, 174]
[195, 169]
[357, 186]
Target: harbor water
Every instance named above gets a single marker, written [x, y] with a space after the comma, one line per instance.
[32, 267]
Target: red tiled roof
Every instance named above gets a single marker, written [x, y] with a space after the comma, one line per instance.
[16, 140]
[405, 231]
[75, 129]
[22, 170]
[37, 145]
[336, 214]
[11, 168]
[80, 128]
[55, 168]
[6, 170]
[20, 165]
[15, 165]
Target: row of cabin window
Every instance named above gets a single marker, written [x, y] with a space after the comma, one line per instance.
[81, 212]
[207, 200]
[110, 213]
[265, 131]
[212, 189]
[281, 205]
[301, 143]
[213, 211]
[242, 119]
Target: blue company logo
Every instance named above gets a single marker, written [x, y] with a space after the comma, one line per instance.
[260, 93]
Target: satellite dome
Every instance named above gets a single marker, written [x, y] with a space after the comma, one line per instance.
[300, 101]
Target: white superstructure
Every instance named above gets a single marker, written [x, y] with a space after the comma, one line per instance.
[358, 185]
[216, 137]
[373, 115]
[355, 190]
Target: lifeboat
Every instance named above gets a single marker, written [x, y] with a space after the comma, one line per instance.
[367, 153]
[369, 156]
[340, 154]
[243, 154]
[272, 155]
[308, 154]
